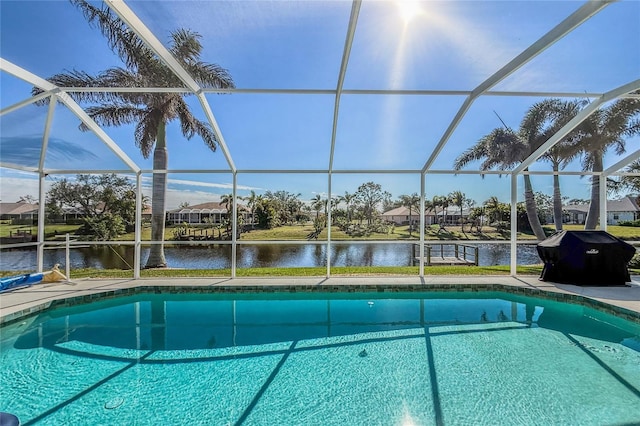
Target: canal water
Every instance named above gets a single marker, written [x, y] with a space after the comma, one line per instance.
[218, 256]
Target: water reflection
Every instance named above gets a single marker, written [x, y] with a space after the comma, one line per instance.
[218, 256]
[164, 322]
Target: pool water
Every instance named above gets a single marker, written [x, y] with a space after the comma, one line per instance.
[322, 359]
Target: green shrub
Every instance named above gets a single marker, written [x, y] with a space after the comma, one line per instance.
[635, 223]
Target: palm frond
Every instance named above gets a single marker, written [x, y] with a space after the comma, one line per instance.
[210, 75]
[114, 114]
[190, 125]
[147, 131]
[185, 45]
[124, 42]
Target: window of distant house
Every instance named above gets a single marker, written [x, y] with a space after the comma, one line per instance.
[616, 216]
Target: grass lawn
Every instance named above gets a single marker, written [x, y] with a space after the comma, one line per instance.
[57, 232]
[299, 272]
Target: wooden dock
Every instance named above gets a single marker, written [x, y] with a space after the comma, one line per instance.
[446, 254]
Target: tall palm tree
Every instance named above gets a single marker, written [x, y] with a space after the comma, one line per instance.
[149, 111]
[562, 153]
[410, 201]
[504, 148]
[604, 129]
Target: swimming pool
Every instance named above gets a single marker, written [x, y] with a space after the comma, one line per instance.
[292, 359]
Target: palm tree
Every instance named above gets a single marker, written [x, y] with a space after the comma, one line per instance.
[252, 201]
[317, 203]
[458, 198]
[149, 111]
[563, 152]
[605, 128]
[632, 182]
[492, 209]
[348, 200]
[227, 201]
[410, 201]
[436, 202]
[504, 148]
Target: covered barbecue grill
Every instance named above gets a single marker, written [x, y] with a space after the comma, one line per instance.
[585, 258]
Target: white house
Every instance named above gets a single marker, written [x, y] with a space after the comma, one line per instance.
[400, 216]
[213, 212]
[624, 209]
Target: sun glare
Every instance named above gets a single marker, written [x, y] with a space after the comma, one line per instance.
[408, 9]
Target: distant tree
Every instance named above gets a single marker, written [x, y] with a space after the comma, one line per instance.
[252, 200]
[370, 195]
[317, 203]
[266, 214]
[106, 203]
[184, 205]
[227, 201]
[286, 205]
[412, 202]
[545, 205]
[348, 200]
[459, 199]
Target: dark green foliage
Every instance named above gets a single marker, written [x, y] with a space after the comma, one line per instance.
[106, 203]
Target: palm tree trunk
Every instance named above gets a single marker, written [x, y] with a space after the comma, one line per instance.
[557, 200]
[594, 207]
[532, 213]
[160, 158]
[410, 224]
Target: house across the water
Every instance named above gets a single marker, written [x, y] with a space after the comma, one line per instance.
[624, 209]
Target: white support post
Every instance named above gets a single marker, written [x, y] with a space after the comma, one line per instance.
[514, 225]
[329, 227]
[234, 226]
[422, 225]
[138, 228]
[67, 257]
[41, 213]
[603, 202]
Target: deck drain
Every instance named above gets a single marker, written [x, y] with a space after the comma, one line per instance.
[113, 403]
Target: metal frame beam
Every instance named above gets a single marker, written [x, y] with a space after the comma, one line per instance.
[137, 26]
[351, 30]
[71, 104]
[575, 121]
[585, 12]
[622, 163]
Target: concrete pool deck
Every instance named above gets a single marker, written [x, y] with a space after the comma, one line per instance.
[29, 300]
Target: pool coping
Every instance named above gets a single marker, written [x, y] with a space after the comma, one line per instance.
[622, 301]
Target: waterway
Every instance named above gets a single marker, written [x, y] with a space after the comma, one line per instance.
[218, 256]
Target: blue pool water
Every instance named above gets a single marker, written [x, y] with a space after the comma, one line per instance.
[329, 359]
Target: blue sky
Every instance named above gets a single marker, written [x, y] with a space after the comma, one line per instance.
[452, 45]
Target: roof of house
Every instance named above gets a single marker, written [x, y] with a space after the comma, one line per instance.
[404, 211]
[210, 207]
[626, 204]
[20, 207]
[399, 211]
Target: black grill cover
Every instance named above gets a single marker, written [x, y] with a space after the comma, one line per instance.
[585, 258]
